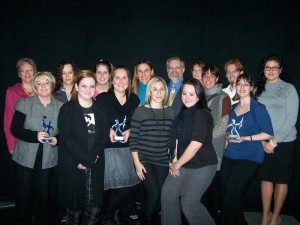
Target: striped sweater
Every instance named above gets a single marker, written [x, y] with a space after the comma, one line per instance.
[150, 134]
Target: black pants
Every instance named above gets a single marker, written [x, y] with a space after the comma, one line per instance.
[32, 194]
[154, 179]
[117, 199]
[236, 176]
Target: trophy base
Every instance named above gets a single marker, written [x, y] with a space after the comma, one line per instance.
[233, 136]
[47, 140]
[119, 138]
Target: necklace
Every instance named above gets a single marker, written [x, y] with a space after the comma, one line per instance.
[28, 92]
[164, 115]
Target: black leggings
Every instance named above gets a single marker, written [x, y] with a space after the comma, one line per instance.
[154, 179]
[117, 199]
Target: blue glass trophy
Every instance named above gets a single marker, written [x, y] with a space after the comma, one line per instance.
[119, 137]
[234, 134]
[47, 128]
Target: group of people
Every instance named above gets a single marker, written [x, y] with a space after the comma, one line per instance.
[187, 147]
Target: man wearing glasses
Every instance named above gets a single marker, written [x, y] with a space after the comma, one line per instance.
[175, 70]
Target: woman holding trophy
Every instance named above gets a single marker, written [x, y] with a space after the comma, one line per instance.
[120, 178]
[34, 125]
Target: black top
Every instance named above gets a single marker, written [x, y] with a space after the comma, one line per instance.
[118, 112]
[195, 124]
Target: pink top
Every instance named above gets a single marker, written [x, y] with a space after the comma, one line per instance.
[13, 94]
[96, 93]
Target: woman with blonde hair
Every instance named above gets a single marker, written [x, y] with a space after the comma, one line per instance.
[149, 144]
[35, 126]
[26, 68]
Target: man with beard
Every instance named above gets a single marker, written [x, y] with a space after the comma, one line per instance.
[175, 70]
[233, 69]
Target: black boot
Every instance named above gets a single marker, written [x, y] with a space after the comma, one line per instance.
[118, 218]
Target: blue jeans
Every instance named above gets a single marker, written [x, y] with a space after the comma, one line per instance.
[186, 191]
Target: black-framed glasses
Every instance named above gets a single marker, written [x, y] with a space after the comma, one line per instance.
[273, 68]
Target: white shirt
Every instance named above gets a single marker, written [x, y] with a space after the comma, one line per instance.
[231, 94]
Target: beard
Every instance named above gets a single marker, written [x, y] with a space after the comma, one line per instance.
[175, 79]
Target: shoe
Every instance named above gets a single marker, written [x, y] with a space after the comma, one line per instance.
[118, 218]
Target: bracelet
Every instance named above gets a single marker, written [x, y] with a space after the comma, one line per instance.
[272, 143]
[250, 137]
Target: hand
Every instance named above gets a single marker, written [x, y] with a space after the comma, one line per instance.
[126, 134]
[112, 135]
[53, 141]
[140, 170]
[174, 169]
[268, 148]
[237, 140]
[42, 135]
[81, 167]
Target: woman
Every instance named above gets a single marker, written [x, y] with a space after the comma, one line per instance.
[194, 160]
[282, 102]
[84, 133]
[143, 72]
[120, 178]
[26, 68]
[102, 71]
[65, 72]
[249, 124]
[35, 127]
[150, 134]
[220, 106]
[197, 70]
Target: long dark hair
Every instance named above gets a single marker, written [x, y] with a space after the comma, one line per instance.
[199, 89]
[261, 79]
[58, 71]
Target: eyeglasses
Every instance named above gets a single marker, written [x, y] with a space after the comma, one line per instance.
[26, 71]
[273, 68]
[246, 85]
[174, 68]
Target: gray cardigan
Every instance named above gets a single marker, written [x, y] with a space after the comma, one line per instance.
[25, 151]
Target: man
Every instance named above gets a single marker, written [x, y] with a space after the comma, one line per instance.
[233, 69]
[175, 70]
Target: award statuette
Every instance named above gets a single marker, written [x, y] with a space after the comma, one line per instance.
[119, 137]
[47, 129]
[234, 134]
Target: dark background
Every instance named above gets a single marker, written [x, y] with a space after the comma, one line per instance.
[125, 31]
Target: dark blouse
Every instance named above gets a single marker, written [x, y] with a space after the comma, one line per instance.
[119, 112]
[195, 124]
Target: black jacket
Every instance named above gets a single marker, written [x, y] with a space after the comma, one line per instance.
[73, 149]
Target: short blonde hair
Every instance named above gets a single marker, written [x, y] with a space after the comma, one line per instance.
[149, 86]
[45, 74]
